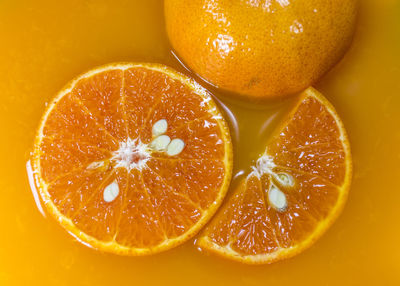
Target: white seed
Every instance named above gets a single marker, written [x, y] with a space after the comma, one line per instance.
[160, 127]
[175, 147]
[111, 192]
[285, 179]
[160, 143]
[276, 198]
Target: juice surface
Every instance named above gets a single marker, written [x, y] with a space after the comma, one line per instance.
[44, 44]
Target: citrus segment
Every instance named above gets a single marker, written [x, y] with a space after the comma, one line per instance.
[70, 192]
[293, 193]
[180, 106]
[312, 142]
[202, 139]
[143, 89]
[65, 114]
[139, 223]
[103, 96]
[177, 212]
[96, 217]
[185, 173]
[71, 155]
[132, 158]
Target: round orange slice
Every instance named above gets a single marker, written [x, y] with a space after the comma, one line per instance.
[132, 159]
[295, 191]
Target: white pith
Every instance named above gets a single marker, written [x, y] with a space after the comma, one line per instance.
[265, 166]
[123, 157]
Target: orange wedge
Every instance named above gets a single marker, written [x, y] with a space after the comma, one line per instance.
[132, 159]
[295, 191]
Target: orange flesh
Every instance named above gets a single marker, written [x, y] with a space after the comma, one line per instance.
[43, 46]
[313, 152]
[159, 202]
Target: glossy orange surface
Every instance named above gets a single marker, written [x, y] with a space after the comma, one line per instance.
[44, 44]
[292, 194]
[101, 174]
[261, 49]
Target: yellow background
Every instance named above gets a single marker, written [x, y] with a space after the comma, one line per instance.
[43, 44]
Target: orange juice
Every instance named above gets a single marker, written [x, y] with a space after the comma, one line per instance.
[45, 43]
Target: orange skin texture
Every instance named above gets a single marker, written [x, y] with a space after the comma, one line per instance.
[260, 48]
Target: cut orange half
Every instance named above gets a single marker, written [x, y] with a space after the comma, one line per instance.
[132, 159]
[294, 192]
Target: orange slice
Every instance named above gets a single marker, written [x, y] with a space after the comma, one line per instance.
[132, 158]
[295, 191]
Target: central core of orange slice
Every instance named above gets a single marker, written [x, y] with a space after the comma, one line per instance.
[265, 166]
[132, 154]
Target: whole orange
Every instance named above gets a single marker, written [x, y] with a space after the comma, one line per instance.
[260, 48]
